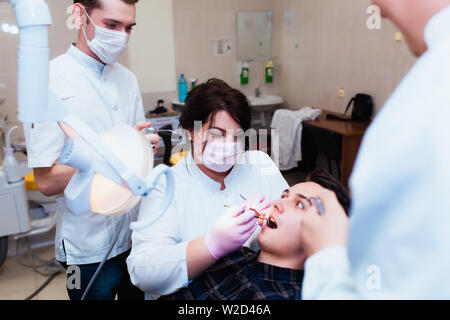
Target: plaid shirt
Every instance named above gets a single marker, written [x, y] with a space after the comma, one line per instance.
[239, 276]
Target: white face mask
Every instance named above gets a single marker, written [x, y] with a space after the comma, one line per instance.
[107, 44]
[221, 156]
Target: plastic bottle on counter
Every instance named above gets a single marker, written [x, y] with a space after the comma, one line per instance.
[182, 88]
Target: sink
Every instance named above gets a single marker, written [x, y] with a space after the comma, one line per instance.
[265, 100]
[264, 103]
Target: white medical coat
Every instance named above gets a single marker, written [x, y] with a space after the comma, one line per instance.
[102, 96]
[399, 245]
[157, 263]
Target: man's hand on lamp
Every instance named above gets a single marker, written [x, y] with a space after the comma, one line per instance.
[154, 138]
[329, 230]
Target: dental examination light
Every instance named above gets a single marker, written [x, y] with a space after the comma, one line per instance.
[114, 170]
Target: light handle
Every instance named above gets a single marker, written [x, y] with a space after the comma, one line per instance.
[154, 178]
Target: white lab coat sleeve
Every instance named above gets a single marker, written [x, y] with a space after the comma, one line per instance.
[276, 181]
[44, 143]
[327, 276]
[157, 262]
[45, 140]
[138, 110]
[139, 115]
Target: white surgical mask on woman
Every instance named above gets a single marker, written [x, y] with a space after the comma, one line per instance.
[221, 156]
[107, 44]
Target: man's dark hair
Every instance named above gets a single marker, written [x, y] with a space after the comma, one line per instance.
[204, 101]
[97, 4]
[326, 180]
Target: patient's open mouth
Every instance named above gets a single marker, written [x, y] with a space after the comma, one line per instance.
[268, 220]
[271, 223]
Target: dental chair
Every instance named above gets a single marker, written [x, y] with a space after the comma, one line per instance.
[19, 197]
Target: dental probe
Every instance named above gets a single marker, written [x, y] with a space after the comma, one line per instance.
[268, 221]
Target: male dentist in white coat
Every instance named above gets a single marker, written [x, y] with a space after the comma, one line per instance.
[102, 93]
[398, 240]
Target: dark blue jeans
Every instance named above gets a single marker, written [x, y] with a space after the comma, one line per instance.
[113, 280]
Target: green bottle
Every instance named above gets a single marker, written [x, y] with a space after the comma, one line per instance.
[269, 71]
[245, 73]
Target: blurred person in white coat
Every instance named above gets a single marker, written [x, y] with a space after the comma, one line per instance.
[397, 242]
[94, 86]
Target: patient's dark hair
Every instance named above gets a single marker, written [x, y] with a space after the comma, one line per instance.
[97, 4]
[204, 101]
[329, 182]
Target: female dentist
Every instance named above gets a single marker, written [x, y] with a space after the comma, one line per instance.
[198, 228]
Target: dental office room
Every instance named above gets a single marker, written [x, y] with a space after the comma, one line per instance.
[224, 150]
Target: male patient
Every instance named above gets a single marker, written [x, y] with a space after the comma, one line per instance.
[276, 272]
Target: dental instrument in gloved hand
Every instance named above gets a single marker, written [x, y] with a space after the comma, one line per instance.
[258, 203]
[268, 221]
[232, 230]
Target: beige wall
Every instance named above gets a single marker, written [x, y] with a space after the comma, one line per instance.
[60, 38]
[151, 54]
[197, 21]
[335, 49]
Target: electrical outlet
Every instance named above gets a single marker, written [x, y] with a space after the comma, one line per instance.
[341, 93]
[398, 37]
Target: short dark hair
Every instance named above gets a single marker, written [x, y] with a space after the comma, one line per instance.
[326, 180]
[204, 101]
[97, 4]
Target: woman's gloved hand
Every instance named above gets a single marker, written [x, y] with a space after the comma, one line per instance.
[258, 202]
[232, 230]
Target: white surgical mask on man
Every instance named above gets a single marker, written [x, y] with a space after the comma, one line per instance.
[221, 156]
[107, 44]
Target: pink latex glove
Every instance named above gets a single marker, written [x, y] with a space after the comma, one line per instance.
[258, 202]
[232, 230]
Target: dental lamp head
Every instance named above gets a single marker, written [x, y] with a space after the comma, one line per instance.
[96, 187]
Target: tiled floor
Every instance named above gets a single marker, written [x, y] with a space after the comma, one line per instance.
[18, 282]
